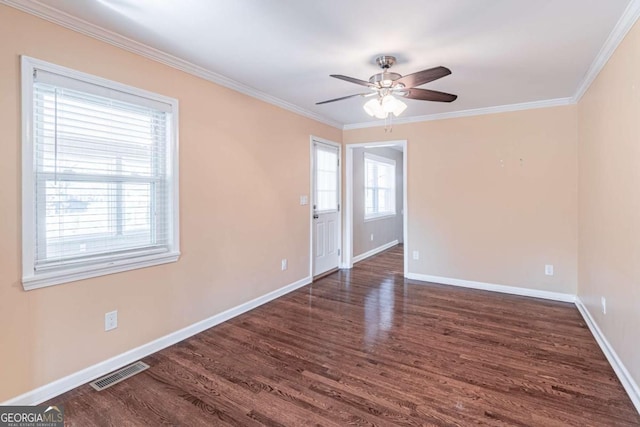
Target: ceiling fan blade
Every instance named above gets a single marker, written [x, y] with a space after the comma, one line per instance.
[341, 98]
[353, 80]
[424, 76]
[429, 95]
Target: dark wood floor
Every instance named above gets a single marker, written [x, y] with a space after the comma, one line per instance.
[366, 347]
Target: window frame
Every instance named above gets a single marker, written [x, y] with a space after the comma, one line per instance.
[379, 215]
[109, 263]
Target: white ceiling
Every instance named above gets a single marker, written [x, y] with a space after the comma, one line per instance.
[501, 52]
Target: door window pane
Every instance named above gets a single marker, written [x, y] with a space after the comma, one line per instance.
[326, 179]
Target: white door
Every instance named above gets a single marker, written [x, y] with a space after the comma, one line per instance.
[326, 207]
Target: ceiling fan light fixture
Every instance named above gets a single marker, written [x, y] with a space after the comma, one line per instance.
[370, 107]
[399, 108]
[381, 107]
[391, 104]
[374, 109]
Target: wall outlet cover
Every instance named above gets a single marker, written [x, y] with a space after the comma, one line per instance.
[111, 320]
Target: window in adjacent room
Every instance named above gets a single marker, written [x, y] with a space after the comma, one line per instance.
[380, 186]
[100, 175]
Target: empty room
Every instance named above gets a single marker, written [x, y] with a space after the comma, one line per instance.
[327, 213]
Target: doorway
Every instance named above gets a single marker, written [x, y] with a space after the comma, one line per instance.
[375, 224]
[326, 224]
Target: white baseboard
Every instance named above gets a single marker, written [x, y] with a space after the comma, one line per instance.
[527, 292]
[375, 251]
[621, 371]
[79, 378]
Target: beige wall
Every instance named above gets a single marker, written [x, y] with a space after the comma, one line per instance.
[384, 230]
[477, 212]
[233, 236]
[609, 220]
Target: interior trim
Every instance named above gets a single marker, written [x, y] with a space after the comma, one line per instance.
[374, 251]
[33, 7]
[62, 385]
[513, 290]
[630, 386]
[347, 254]
[467, 113]
[79, 378]
[63, 19]
[622, 27]
[624, 24]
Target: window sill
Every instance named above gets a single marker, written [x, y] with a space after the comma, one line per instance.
[377, 217]
[42, 280]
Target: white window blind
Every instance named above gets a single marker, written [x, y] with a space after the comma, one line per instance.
[103, 165]
[380, 185]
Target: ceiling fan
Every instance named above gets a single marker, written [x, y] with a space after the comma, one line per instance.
[386, 85]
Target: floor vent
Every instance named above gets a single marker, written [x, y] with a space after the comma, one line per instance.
[119, 375]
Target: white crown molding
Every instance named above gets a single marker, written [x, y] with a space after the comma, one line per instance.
[467, 113]
[62, 385]
[58, 17]
[622, 27]
[620, 30]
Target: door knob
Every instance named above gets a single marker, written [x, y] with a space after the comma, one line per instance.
[315, 216]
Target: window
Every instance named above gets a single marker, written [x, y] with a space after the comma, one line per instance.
[99, 176]
[380, 186]
[326, 179]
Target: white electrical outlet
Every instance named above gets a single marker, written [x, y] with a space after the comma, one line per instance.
[416, 255]
[284, 264]
[604, 305]
[372, 237]
[304, 200]
[548, 270]
[111, 320]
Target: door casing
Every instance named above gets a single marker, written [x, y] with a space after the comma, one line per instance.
[347, 253]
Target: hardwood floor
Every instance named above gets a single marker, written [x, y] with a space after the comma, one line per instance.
[367, 347]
